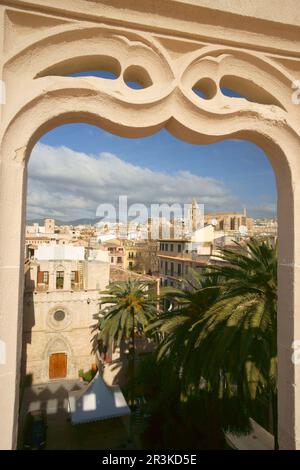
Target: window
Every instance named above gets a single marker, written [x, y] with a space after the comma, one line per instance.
[43, 277]
[179, 269]
[74, 278]
[119, 259]
[59, 315]
[179, 248]
[112, 259]
[166, 247]
[172, 247]
[130, 265]
[172, 269]
[166, 267]
[59, 279]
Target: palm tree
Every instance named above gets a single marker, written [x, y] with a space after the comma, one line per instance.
[241, 328]
[131, 306]
[177, 354]
[176, 324]
[221, 336]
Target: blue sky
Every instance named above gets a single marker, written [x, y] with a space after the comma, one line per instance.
[76, 167]
[238, 169]
[241, 165]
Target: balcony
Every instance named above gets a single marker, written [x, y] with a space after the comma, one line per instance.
[174, 254]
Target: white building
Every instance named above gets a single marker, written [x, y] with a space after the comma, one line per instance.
[61, 297]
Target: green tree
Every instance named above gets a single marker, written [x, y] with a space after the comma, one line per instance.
[220, 338]
[178, 357]
[241, 329]
[130, 305]
[176, 325]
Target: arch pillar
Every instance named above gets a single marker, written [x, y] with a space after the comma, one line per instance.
[288, 327]
[12, 213]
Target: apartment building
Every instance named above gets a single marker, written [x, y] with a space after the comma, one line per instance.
[141, 256]
[116, 252]
[177, 256]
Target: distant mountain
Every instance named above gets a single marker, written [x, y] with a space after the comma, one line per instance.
[84, 221]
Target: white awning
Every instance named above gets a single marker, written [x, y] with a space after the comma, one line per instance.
[96, 402]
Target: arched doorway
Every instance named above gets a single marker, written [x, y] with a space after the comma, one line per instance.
[57, 358]
[166, 100]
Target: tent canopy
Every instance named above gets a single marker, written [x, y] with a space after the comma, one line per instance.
[96, 402]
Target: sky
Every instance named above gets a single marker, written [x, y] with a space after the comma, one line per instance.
[76, 167]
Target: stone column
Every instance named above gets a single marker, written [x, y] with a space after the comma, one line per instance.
[67, 276]
[12, 212]
[287, 169]
[289, 321]
[52, 276]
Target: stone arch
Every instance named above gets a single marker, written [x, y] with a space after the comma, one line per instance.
[272, 123]
[234, 66]
[59, 266]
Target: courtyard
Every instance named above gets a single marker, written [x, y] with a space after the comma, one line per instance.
[52, 398]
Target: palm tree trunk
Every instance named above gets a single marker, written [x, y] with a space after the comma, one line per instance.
[132, 359]
[132, 377]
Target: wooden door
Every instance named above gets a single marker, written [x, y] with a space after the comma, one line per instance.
[58, 366]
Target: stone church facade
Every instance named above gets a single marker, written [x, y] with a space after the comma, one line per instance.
[59, 316]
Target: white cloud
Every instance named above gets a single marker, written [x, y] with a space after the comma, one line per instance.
[67, 184]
